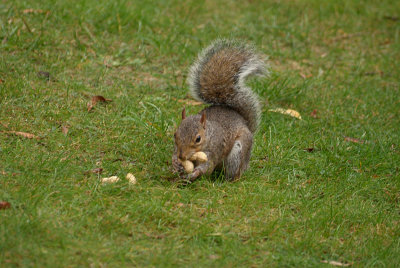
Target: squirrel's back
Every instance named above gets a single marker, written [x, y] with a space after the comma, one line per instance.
[218, 77]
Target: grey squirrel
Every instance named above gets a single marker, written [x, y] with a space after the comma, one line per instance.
[224, 130]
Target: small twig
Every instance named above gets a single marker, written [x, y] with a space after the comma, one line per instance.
[26, 24]
[392, 18]
[346, 36]
[92, 37]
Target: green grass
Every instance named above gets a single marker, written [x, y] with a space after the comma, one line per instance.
[340, 202]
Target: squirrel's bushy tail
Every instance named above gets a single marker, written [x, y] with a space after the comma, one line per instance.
[218, 77]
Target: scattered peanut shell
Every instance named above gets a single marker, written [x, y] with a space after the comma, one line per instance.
[188, 166]
[199, 156]
[111, 179]
[131, 178]
[290, 112]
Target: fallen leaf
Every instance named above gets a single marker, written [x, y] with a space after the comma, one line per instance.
[214, 257]
[336, 263]
[290, 112]
[392, 18]
[111, 179]
[172, 178]
[190, 102]
[304, 76]
[158, 236]
[295, 65]
[23, 134]
[215, 234]
[179, 205]
[64, 130]
[43, 74]
[31, 10]
[4, 205]
[313, 114]
[202, 211]
[4, 124]
[353, 140]
[95, 171]
[373, 73]
[1, 81]
[131, 178]
[94, 100]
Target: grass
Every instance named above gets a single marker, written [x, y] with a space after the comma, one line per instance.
[336, 62]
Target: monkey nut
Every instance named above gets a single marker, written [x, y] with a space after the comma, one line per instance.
[131, 178]
[188, 166]
[199, 156]
[111, 179]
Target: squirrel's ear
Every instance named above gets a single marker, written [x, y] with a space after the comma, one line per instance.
[203, 119]
[183, 113]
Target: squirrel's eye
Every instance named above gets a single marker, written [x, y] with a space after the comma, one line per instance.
[198, 139]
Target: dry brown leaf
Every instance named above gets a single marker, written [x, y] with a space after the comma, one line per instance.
[94, 100]
[313, 114]
[4, 124]
[304, 76]
[4, 205]
[337, 263]
[44, 75]
[179, 205]
[35, 11]
[23, 134]
[64, 130]
[353, 140]
[190, 102]
[374, 73]
[294, 65]
[290, 112]
[95, 171]
[214, 257]
[158, 236]
[30, 10]
[392, 18]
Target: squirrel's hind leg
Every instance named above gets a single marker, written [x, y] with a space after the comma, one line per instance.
[239, 156]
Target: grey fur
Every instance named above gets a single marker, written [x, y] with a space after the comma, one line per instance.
[218, 78]
[233, 160]
[243, 100]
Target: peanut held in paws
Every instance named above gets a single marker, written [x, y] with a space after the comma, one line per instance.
[188, 166]
[199, 156]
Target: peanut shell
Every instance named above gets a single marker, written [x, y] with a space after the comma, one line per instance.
[199, 156]
[188, 166]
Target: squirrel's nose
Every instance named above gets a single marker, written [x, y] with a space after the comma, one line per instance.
[181, 156]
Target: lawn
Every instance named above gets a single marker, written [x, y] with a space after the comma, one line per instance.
[320, 191]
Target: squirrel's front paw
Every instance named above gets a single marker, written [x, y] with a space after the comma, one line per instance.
[177, 166]
[194, 175]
